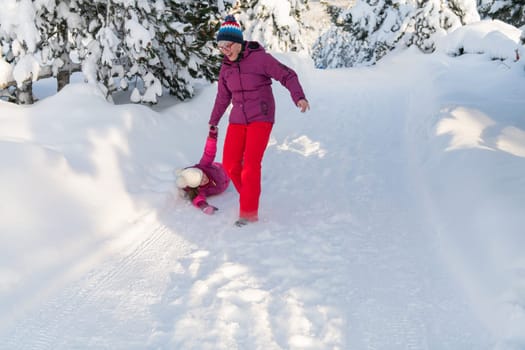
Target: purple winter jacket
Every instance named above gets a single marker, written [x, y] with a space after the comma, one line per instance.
[219, 180]
[247, 83]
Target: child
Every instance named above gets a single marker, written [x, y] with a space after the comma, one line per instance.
[207, 178]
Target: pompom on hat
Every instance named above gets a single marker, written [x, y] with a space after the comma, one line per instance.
[189, 177]
[230, 31]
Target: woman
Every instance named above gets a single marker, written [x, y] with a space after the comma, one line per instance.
[207, 178]
[245, 81]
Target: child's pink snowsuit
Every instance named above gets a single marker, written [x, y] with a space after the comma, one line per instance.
[219, 181]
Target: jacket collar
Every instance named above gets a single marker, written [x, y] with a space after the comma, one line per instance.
[248, 47]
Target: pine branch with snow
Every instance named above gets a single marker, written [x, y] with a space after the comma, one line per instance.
[509, 11]
[366, 31]
[37, 40]
[276, 24]
[157, 44]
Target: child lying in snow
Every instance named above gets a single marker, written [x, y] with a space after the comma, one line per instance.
[207, 178]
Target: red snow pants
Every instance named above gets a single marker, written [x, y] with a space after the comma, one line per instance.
[243, 152]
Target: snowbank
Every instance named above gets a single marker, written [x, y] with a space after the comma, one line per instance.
[496, 39]
[391, 217]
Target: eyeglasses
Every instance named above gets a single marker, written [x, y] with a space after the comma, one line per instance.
[225, 46]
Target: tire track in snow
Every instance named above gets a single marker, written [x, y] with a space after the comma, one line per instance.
[111, 299]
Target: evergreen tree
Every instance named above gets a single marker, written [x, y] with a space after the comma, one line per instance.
[277, 24]
[361, 34]
[368, 30]
[154, 44]
[186, 35]
[436, 18]
[20, 38]
[38, 43]
[62, 32]
[509, 11]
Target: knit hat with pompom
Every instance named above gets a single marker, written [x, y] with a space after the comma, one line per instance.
[230, 31]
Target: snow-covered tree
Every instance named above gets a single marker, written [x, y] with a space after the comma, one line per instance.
[62, 32]
[365, 32]
[435, 18]
[362, 33]
[121, 47]
[37, 38]
[151, 44]
[186, 35]
[20, 38]
[509, 11]
[277, 24]
[125, 47]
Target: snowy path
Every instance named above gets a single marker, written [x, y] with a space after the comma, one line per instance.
[103, 299]
[323, 271]
[345, 255]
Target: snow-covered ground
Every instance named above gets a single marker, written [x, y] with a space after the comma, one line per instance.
[391, 217]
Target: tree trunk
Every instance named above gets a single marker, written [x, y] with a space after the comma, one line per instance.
[63, 79]
[24, 94]
[64, 72]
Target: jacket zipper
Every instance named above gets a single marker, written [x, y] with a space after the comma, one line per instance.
[242, 93]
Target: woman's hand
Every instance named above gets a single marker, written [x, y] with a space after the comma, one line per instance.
[303, 105]
[214, 131]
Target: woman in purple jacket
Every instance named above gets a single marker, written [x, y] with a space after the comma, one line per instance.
[245, 80]
[207, 178]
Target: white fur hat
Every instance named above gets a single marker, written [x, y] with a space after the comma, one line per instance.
[189, 177]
